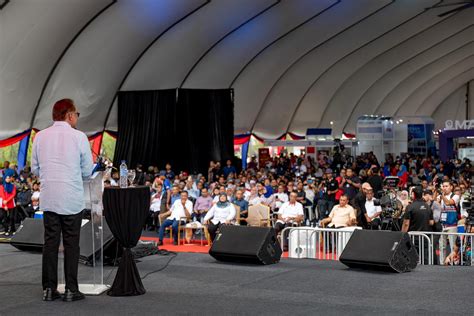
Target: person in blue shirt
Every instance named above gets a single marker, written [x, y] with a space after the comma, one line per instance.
[228, 169]
[169, 173]
[243, 204]
[269, 188]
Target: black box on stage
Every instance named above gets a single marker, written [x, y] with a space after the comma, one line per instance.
[30, 237]
[380, 250]
[245, 244]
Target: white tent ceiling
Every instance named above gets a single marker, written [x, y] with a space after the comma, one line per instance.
[293, 64]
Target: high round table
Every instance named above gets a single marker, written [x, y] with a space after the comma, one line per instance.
[126, 211]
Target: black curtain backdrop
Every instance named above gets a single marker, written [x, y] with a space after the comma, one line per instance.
[154, 128]
[145, 127]
[207, 121]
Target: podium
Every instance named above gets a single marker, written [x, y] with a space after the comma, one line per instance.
[91, 278]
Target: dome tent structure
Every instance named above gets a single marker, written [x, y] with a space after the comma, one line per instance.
[292, 64]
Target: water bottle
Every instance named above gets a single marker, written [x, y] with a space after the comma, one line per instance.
[123, 175]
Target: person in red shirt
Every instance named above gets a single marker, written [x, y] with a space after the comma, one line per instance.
[402, 174]
[8, 207]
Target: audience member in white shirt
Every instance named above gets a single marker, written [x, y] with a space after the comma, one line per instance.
[290, 213]
[372, 211]
[180, 209]
[279, 198]
[223, 212]
[254, 197]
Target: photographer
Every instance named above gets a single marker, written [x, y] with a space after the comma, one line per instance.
[329, 188]
[350, 184]
[449, 213]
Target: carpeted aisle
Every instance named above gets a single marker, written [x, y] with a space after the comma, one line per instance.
[197, 284]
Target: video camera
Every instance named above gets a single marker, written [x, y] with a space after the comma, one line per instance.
[468, 207]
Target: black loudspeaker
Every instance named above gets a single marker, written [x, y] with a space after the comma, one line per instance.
[85, 243]
[30, 237]
[245, 244]
[380, 250]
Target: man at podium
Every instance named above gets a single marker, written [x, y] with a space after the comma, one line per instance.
[62, 159]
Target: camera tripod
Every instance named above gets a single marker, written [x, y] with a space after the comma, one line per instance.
[391, 224]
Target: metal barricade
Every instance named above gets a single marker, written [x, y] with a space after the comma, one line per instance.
[450, 248]
[316, 243]
[328, 244]
[424, 247]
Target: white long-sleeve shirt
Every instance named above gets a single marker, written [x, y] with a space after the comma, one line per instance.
[220, 214]
[177, 209]
[62, 159]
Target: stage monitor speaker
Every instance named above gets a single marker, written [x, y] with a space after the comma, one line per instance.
[245, 244]
[380, 250]
[85, 243]
[30, 237]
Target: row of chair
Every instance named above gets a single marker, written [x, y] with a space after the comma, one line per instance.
[258, 215]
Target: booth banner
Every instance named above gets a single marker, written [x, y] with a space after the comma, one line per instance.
[463, 125]
[290, 143]
[263, 156]
[417, 138]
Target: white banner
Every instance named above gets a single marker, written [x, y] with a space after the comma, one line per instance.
[466, 124]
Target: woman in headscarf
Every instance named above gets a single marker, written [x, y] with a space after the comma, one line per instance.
[221, 213]
[404, 198]
[402, 174]
[8, 207]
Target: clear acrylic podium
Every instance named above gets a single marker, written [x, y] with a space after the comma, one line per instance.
[90, 278]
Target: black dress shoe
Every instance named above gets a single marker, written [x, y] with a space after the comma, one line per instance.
[50, 295]
[160, 243]
[70, 296]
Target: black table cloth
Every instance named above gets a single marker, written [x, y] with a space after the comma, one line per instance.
[126, 211]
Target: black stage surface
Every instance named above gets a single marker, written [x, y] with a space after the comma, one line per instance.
[197, 284]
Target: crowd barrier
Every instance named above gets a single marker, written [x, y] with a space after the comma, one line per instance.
[327, 244]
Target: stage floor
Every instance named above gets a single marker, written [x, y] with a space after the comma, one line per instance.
[197, 284]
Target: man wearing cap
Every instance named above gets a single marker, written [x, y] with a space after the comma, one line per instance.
[328, 200]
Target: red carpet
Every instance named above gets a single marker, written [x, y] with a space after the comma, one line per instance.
[195, 247]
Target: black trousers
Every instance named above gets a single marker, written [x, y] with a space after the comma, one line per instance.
[8, 219]
[70, 227]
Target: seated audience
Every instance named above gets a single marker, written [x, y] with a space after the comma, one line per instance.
[202, 206]
[373, 211]
[180, 210]
[290, 213]
[221, 213]
[244, 206]
[342, 215]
